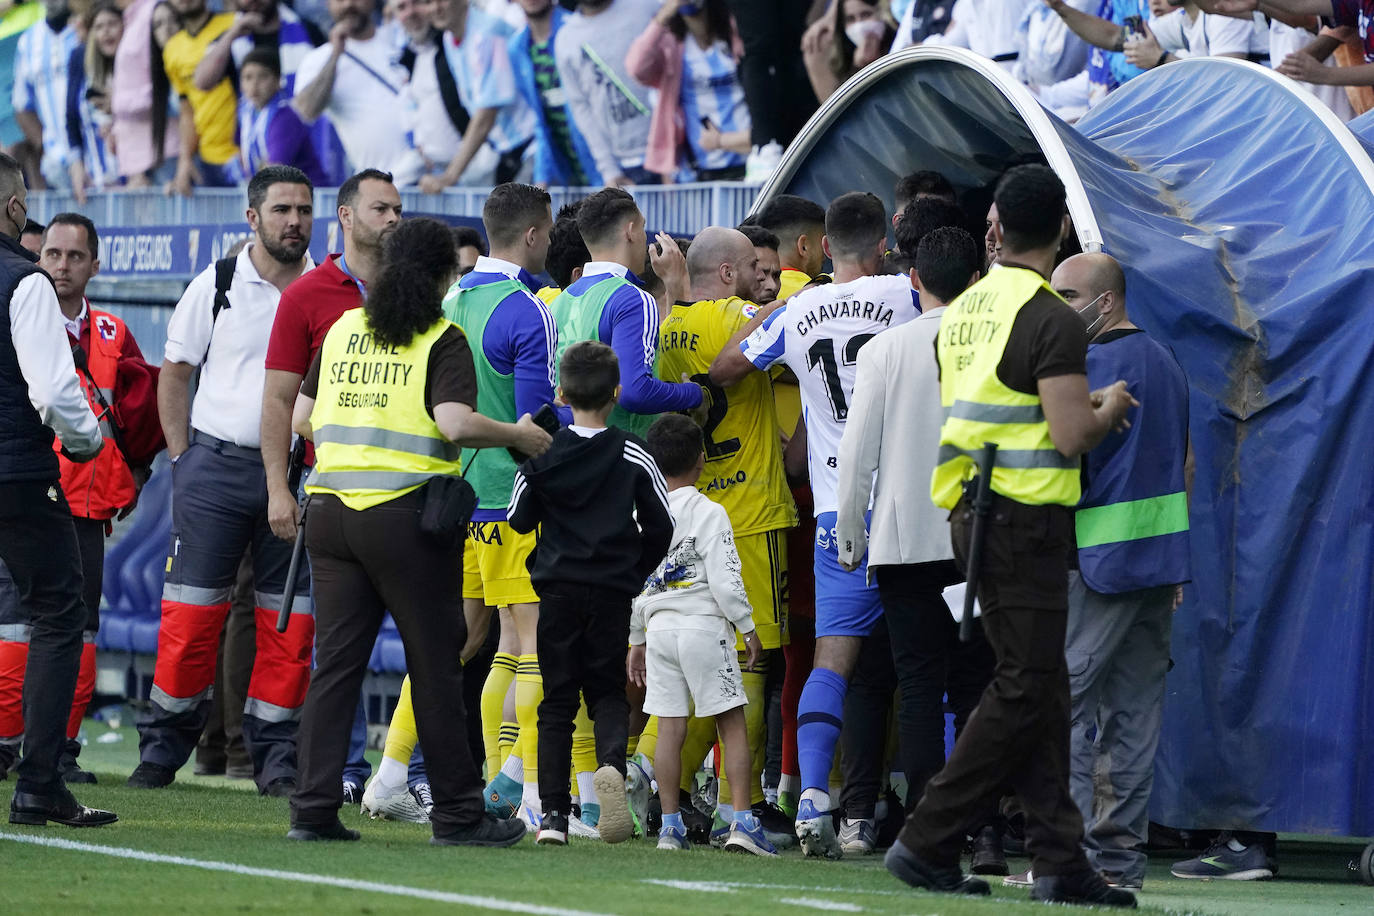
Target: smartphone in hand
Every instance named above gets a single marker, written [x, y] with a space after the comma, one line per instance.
[546, 418]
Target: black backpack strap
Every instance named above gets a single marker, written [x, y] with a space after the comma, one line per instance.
[224, 278]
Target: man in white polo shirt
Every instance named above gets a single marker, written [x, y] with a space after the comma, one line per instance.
[357, 79]
[219, 501]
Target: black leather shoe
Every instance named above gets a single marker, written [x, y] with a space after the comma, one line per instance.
[281, 787]
[69, 769]
[151, 776]
[209, 768]
[489, 831]
[312, 833]
[910, 868]
[58, 806]
[1083, 888]
[988, 858]
[698, 825]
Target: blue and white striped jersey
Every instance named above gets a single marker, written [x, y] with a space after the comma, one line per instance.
[40, 83]
[711, 89]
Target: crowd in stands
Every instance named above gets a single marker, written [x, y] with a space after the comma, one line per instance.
[201, 93]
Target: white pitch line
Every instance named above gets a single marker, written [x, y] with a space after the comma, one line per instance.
[395, 890]
[816, 904]
[717, 886]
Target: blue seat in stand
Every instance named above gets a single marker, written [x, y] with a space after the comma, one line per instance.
[125, 560]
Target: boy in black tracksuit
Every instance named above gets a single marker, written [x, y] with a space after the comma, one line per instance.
[601, 508]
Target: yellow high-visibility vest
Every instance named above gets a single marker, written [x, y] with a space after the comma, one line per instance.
[979, 408]
[374, 440]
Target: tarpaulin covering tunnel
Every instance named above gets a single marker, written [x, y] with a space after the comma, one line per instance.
[1243, 214]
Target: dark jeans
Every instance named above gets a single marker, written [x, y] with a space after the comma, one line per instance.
[364, 564]
[772, 72]
[1018, 736]
[863, 742]
[583, 633]
[38, 543]
[930, 662]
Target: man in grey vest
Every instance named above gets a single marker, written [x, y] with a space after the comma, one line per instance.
[40, 394]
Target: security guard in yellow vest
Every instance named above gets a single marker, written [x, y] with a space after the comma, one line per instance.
[1013, 371]
[388, 402]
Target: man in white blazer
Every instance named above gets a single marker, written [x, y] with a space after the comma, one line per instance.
[886, 457]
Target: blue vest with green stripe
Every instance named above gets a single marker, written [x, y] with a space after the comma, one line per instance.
[491, 471]
[1132, 522]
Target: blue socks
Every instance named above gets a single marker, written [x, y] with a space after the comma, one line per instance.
[818, 726]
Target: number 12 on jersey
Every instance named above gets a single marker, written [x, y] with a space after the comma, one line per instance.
[822, 355]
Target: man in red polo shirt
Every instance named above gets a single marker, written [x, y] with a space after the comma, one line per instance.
[96, 490]
[369, 208]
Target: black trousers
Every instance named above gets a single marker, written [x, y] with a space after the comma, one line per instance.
[38, 543]
[364, 564]
[863, 741]
[930, 662]
[771, 72]
[1018, 736]
[583, 634]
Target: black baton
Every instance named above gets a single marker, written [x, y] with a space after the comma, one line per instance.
[982, 508]
[288, 595]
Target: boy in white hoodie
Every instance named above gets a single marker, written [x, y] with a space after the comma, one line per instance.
[681, 645]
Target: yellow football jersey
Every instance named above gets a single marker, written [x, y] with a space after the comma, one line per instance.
[785, 394]
[547, 294]
[743, 453]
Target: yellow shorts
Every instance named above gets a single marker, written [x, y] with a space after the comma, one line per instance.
[494, 567]
[763, 561]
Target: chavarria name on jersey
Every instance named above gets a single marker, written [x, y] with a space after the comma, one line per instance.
[823, 311]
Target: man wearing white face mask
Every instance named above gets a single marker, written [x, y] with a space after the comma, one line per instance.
[1132, 531]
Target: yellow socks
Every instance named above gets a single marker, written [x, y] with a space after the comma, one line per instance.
[493, 698]
[529, 691]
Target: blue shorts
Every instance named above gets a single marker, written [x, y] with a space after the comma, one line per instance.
[846, 604]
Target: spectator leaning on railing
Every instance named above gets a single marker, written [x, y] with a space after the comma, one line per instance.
[357, 80]
[561, 155]
[143, 127]
[609, 108]
[208, 155]
[688, 53]
[475, 46]
[89, 71]
[40, 89]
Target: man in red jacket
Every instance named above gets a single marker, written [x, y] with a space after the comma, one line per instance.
[97, 491]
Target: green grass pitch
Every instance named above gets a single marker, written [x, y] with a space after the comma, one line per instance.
[207, 845]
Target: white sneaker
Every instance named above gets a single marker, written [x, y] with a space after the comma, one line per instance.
[585, 831]
[396, 806]
[858, 837]
[762, 162]
[532, 818]
[424, 797]
[616, 824]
